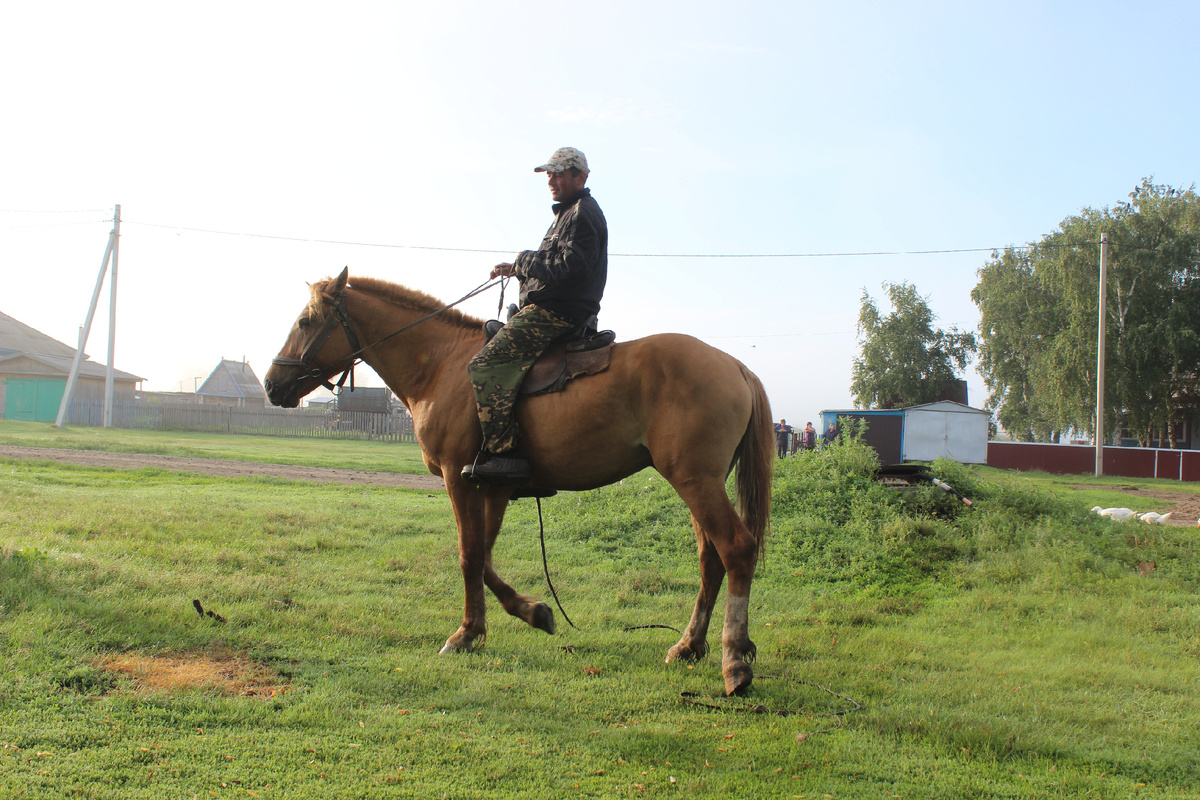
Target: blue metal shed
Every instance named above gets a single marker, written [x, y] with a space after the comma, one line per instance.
[884, 429]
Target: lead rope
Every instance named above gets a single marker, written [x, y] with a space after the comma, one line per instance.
[546, 566]
[554, 594]
[697, 699]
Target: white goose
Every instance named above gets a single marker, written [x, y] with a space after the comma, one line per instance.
[1118, 514]
[1155, 518]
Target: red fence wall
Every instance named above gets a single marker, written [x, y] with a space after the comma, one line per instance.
[1080, 459]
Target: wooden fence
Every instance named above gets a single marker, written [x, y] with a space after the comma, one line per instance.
[1078, 459]
[298, 422]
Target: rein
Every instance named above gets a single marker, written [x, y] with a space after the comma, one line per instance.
[340, 316]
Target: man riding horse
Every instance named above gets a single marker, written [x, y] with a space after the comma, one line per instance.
[561, 286]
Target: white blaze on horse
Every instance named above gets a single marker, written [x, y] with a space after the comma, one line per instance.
[668, 401]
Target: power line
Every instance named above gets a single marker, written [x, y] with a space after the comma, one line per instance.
[56, 224]
[503, 251]
[615, 255]
[313, 241]
[782, 335]
[808, 255]
[52, 211]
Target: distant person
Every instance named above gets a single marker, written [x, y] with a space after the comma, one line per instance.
[808, 437]
[830, 435]
[783, 437]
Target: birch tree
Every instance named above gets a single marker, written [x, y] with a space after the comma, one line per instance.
[903, 359]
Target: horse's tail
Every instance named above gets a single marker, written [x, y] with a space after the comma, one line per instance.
[755, 460]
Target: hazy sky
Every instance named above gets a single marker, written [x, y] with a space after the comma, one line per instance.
[233, 135]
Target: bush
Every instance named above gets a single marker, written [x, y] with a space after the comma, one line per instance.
[834, 524]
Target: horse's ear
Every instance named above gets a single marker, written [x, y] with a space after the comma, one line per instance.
[339, 285]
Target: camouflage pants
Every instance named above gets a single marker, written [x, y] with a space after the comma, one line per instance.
[498, 369]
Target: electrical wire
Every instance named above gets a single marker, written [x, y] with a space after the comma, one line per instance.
[611, 255]
[56, 224]
[54, 211]
[349, 243]
[313, 241]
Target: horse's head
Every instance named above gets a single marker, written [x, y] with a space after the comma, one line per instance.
[313, 353]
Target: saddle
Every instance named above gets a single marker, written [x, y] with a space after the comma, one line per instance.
[585, 352]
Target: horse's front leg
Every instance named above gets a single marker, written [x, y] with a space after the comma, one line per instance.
[523, 607]
[469, 513]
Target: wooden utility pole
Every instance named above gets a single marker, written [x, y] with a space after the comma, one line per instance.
[1100, 358]
[110, 252]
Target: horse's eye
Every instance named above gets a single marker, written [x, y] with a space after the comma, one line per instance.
[303, 323]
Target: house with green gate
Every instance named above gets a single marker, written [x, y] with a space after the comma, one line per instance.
[34, 369]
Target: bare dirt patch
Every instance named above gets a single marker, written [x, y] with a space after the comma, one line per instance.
[225, 672]
[223, 468]
[1184, 506]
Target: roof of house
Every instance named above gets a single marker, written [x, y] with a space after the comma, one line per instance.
[17, 337]
[939, 405]
[949, 406]
[59, 365]
[19, 342]
[232, 379]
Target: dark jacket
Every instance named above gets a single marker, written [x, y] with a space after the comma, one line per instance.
[567, 273]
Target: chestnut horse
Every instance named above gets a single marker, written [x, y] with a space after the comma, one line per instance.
[668, 401]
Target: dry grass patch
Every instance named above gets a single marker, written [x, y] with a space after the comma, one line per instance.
[224, 672]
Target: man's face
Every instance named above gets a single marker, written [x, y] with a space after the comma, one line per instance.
[565, 184]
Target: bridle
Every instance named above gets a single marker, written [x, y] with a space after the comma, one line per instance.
[341, 317]
[305, 361]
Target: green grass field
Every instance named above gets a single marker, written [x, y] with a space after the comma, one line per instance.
[1009, 650]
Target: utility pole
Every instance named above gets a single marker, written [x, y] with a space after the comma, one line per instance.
[85, 331]
[112, 322]
[1100, 358]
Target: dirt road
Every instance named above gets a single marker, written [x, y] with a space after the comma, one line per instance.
[225, 468]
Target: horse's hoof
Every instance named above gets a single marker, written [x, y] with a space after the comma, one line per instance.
[687, 652]
[543, 618]
[738, 677]
[461, 644]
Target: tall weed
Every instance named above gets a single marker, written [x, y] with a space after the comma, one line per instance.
[833, 523]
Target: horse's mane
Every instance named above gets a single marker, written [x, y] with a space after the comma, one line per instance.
[393, 293]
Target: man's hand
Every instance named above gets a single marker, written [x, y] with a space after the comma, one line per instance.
[504, 269]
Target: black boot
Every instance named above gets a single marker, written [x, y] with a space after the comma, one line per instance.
[507, 469]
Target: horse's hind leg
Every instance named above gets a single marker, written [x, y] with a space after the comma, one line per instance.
[693, 645]
[738, 552]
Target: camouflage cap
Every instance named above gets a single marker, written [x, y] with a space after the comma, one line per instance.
[564, 158]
